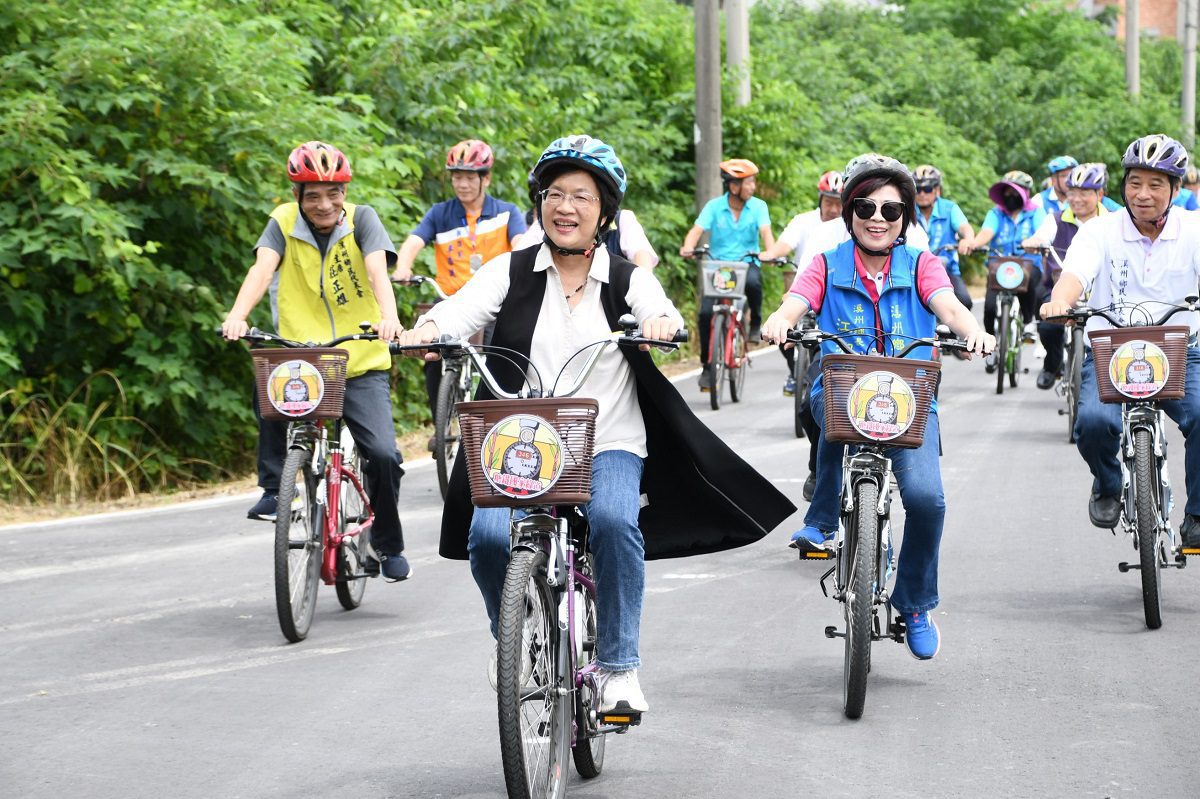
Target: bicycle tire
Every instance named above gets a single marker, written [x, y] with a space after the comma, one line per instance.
[297, 558]
[1002, 344]
[716, 358]
[800, 376]
[1017, 330]
[588, 751]
[1074, 379]
[351, 583]
[1146, 504]
[737, 355]
[445, 426]
[527, 627]
[860, 596]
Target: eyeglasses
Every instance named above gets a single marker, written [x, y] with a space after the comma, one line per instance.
[925, 188]
[864, 208]
[554, 197]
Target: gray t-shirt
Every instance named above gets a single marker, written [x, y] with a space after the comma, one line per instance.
[369, 235]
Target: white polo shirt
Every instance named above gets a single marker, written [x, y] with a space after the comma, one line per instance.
[798, 229]
[1122, 268]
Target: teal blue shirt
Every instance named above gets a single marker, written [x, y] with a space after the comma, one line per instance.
[731, 239]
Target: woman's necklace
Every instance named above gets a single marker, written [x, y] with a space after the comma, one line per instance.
[576, 291]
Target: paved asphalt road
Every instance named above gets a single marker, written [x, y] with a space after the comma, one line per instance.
[140, 654]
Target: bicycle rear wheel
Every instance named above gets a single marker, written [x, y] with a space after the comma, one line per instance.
[298, 545]
[445, 425]
[1146, 487]
[860, 596]
[716, 359]
[1074, 379]
[535, 720]
[1002, 342]
[738, 362]
[588, 751]
[352, 554]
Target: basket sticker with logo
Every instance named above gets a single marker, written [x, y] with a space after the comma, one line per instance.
[881, 406]
[1139, 369]
[522, 456]
[295, 388]
[1010, 274]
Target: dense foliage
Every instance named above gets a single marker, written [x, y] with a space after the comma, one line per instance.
[141, 147]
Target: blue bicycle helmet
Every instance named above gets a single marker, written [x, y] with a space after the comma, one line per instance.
[1060, 163]
[591, 154]
[1088, 176]
[1157, 152]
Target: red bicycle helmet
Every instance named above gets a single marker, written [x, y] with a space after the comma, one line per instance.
[830, 184]
[318, 162]
[471, 155]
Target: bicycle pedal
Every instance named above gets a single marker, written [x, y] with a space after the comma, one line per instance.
[833, 632]
[1190, 551]
[821, 554]
[623, 718]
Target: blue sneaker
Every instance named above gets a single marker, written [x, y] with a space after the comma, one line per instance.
[789, 387]
[922, 635]
[811, 539]
[393, 567]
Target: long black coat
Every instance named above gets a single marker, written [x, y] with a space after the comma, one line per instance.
[702, 496]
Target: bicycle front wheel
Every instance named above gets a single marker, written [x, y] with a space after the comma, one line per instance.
[859, 547]
[298, 545]
[737, 360]
[445, 426]
[1074, 379]
[1002, 342]
[535, 721]
[352, 554]
[1017, 340]
[716, 359]
[800, 375]
[1146, 502]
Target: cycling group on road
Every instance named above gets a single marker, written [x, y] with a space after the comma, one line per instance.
[880, 255]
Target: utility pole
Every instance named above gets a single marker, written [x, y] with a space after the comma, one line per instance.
[708, 101]
[737, 48]
[1133, 81]
[1188, 104]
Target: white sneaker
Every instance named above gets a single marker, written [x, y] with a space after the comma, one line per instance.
[620, 691]
[526, 669]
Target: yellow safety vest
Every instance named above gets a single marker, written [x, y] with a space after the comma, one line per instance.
[321, 300]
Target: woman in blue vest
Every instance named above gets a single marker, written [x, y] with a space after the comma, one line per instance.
[1014, 219]
[663, 484]
[874, 281]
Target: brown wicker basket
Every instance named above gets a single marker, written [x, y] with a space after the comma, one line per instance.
[841, 372]
[572, 419]
[329, 362]
[993, 264]
[1172, 339]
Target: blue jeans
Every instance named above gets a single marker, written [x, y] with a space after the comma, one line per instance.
[1098, 432]
[618, 555]
[919, 476]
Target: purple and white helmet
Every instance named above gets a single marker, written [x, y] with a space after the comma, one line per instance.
[1088, 176]
[1157, 152]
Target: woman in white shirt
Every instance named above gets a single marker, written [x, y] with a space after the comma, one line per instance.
[663, 485]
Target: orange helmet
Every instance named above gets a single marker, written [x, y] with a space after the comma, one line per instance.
[471, 155]
[318, 162]
[737, 169]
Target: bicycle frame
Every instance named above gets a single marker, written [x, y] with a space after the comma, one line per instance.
[327, 462]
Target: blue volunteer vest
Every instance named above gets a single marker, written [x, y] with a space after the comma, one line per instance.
[848, 306]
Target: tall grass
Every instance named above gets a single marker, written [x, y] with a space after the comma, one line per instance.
[83, 447]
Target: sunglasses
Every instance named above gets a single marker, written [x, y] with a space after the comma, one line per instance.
[925, 188]
[864, 208]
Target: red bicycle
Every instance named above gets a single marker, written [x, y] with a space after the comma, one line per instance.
[322, 529]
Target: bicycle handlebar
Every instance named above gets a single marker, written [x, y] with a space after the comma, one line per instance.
[422, 280]
[1191, 303]
[261, 336]
[700, 253]
[448, 346]
[814, 336]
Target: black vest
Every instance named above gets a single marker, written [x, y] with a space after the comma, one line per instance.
[701, 496]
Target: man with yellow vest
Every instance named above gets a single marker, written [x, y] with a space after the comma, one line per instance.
[466, 231]
[332, 257]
